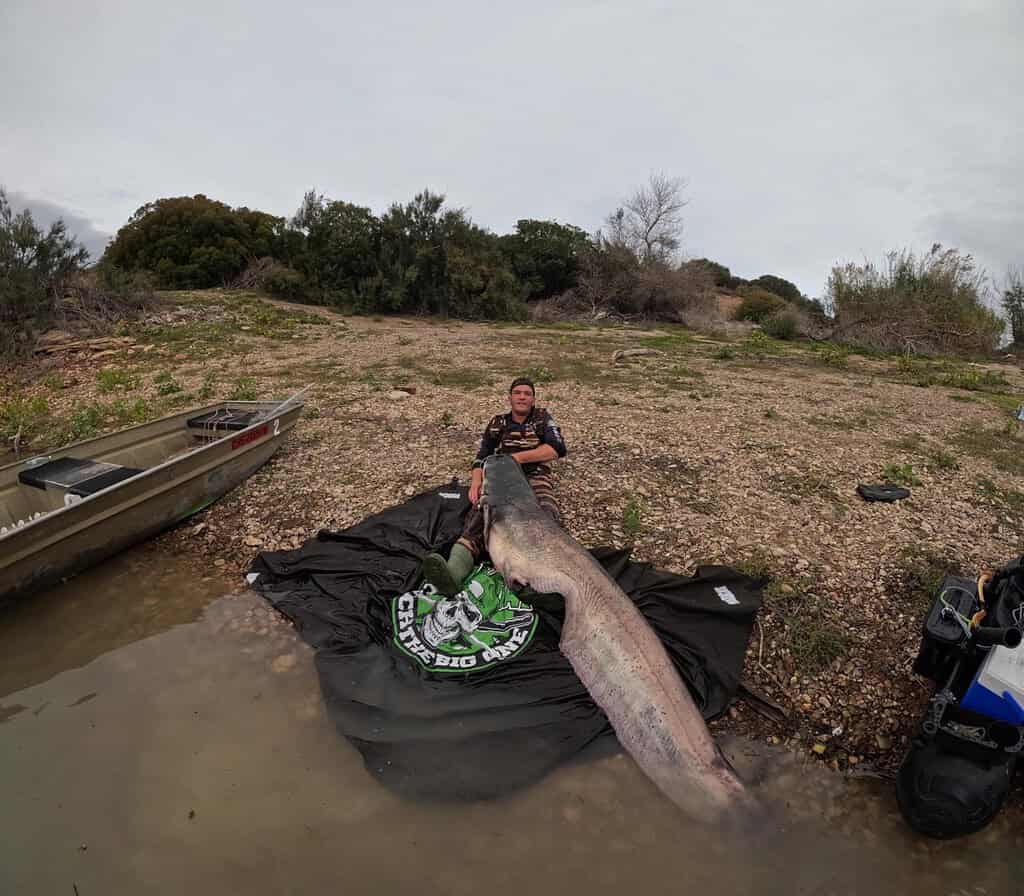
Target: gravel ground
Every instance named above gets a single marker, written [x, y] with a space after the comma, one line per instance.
[744, 452]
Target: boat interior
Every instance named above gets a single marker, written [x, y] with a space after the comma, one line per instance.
[40, 485]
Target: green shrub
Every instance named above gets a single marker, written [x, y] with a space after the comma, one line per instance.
[785, 290]
[780, 325]
[192, 242]
[285, 283]
[33, 268]
[934, 304]
[757, 304]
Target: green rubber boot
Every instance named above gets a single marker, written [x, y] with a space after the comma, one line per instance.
[448, 575]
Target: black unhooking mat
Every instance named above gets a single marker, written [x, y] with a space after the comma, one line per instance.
[426, 726]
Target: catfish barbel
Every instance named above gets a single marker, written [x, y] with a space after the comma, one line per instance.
[613, 650]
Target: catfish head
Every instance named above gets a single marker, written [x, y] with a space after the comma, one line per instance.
[519, 534]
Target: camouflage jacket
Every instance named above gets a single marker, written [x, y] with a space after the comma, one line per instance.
[504, 436]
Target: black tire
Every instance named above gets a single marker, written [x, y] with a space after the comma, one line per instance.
[945, 795]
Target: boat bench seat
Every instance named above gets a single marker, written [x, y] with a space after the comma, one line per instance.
[223, 418]
[77, 476]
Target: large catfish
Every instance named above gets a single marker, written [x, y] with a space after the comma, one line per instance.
[611, 647]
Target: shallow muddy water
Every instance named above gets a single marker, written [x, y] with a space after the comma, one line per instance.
[157, 736]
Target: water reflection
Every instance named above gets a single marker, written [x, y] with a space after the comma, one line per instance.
[134, 595]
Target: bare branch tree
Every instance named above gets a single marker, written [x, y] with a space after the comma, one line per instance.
[650, 222]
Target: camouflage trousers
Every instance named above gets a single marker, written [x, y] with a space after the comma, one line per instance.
[473, 528]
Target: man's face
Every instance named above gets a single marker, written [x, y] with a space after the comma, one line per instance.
[521, 399]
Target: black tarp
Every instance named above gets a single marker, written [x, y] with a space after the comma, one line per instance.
[458, 735]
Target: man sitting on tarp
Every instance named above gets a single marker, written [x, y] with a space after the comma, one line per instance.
[529, 434]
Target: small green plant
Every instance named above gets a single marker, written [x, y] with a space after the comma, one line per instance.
[539, 374]
[814, 644]
[632, 515]
[52, 381]
[757, 345]
[833, 356]
[757, 564]
[941, 459]
[901, 474]
[116, 380]
[208, 388]
[771, 414]
[166, 384]
[725, 353]
[85, 423]
[127, 412]
[447, 419]
[23, 418]
[244, 389]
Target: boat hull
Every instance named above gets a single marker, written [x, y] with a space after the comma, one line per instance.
[79, 536]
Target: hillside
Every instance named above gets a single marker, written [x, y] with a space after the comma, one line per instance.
[744, 452]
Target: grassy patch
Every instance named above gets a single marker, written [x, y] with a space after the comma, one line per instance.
[460, 378]
[924, 373]
[1002, 447]
[1009, 500]
[28, 416]
[814, 643]
[757, 564]
[129, 413]
[901, 474]
[244, 389]
[941, 459]
[798, 488]
[832, 355]
[218, 320]
[166, 384]
[916, 576]
[52, 381]
[679, 371]
[667, 342]
[208, 388]
[632, 517]
[725, 353]
[116, 380]
[85, 423]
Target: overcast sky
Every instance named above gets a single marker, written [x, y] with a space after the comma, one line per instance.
[809, 131]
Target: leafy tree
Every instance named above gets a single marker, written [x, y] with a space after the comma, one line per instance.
[339, 254]
[33, 267]
[545, 256]
[782, 288]
[1013, 304]
[413, 260]
[194, 242]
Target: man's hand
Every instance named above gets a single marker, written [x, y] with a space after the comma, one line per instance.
[475, 486]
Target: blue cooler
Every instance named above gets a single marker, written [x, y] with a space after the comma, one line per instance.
[997, 690]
